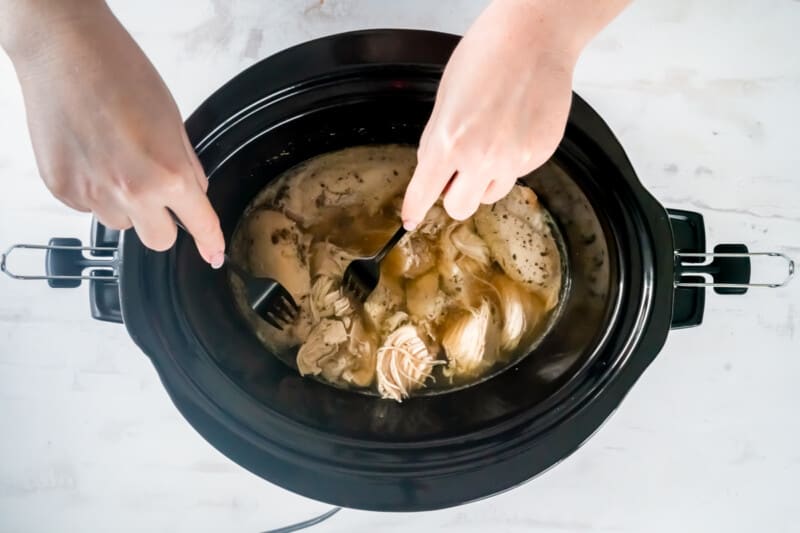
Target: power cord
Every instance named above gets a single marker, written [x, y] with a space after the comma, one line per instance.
[308, 523]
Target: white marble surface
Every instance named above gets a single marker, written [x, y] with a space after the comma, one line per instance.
[704, 97]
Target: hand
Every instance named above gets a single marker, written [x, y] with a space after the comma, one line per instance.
[502, 104]
[106, 132]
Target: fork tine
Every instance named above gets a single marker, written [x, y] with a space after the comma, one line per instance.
[289, 303]
[357, 292]
[350, 287]
[287, 296]
[271, 321]
[282, 320]
[289, 309]
[358, 289]
[282, 306]
[282, 313]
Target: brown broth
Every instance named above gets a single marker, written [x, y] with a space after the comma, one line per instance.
[361, 228]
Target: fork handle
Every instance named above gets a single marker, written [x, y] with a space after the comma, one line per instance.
[389, 245]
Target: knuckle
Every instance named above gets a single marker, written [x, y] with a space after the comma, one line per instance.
[455, 143]
[174, 184]
[453, 137]
[130, 188]
[525, 157]
[90, 192]
[59, 187]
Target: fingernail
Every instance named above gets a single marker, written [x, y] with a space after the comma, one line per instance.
[410, 225]
[217, 260]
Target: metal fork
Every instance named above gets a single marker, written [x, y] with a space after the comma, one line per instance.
[267, 297]
[362, 275]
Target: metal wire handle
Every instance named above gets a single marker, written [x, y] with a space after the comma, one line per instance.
[682, 255]
[106, 265]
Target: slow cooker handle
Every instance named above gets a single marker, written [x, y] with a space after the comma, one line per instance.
[729, 269]
[68, 263]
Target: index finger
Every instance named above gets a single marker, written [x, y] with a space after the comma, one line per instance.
[429, 180]
[195, 212]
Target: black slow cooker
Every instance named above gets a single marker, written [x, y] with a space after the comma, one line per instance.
[637, 270]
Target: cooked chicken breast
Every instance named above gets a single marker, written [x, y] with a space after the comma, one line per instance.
[366, 177]
[279, 250]
[519, 239]
[424, 298]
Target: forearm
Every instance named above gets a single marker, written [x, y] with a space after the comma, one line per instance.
[27, 26]
[569, 24]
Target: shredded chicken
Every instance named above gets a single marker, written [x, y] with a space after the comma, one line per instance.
[412, 256]
[457, 295]
[340, 351]
[404, 363]
[327, 299]
[469, 341]
[323, 342]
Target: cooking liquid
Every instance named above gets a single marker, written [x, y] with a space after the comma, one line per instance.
[351, 229]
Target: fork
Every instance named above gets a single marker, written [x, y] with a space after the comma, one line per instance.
[362, 275]
[266, 297]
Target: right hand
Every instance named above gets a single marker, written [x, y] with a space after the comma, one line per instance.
[106, 132]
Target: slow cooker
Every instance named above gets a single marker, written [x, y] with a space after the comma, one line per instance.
[637, 270]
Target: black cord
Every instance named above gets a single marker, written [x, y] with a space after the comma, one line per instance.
[308, 523]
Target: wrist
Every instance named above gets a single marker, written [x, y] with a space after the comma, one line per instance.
[30, 27]
[565, 26]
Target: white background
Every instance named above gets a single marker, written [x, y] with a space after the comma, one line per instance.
[704, 97]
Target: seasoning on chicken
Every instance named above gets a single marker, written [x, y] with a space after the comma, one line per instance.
[516, 230]
[280, 251]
